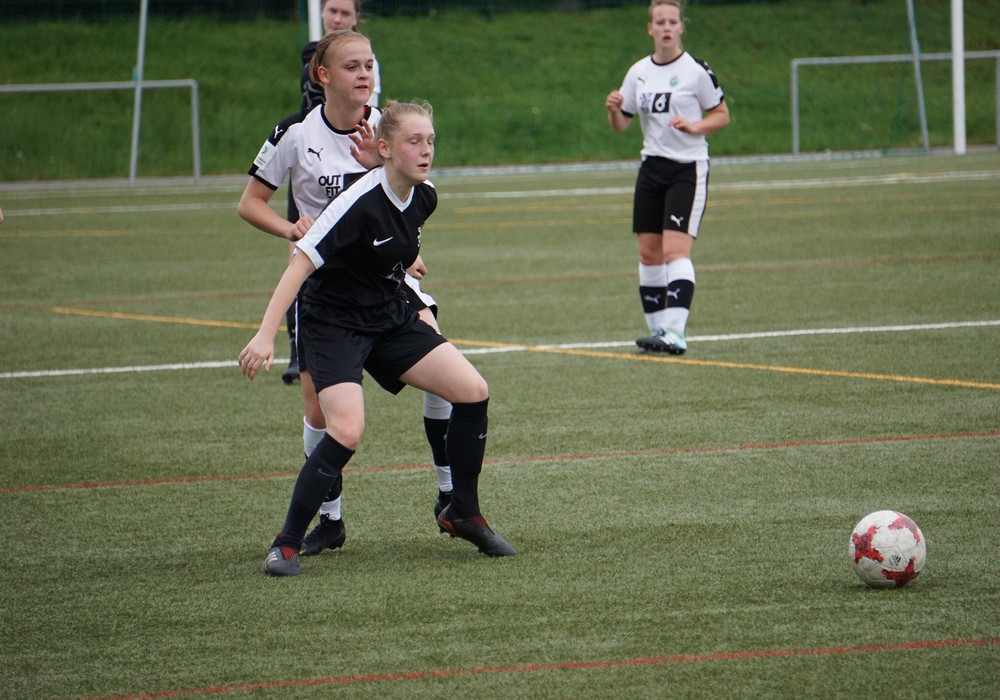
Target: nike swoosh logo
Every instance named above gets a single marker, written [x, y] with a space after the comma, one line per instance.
[378, 242]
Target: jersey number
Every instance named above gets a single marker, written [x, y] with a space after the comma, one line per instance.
[661, 103]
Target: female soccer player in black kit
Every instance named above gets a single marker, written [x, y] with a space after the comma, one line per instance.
[354, 316]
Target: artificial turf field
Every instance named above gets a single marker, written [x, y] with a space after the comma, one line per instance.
[681, 522]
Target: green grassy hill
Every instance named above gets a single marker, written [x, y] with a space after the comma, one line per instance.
[517, 88]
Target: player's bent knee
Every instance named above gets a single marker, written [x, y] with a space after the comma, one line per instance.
[475, 392]
[347, 432]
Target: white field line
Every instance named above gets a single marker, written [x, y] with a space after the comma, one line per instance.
[848, 181]
[859, 181]
[524, 348]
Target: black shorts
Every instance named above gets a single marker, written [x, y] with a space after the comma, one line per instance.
[669, 196]
[337, 353]
[416, 302]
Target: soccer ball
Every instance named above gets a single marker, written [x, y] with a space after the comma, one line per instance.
[887, 549]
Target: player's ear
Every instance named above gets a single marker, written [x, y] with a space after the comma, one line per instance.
[322, 75]
[383, 148]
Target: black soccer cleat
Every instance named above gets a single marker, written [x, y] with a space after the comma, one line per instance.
[329, 534]
[277, 565]
[440, 504]
[476, 531]
[667, 340]
[291, 374]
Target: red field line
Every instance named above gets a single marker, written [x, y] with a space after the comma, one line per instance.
[565, 666]
[517, 460]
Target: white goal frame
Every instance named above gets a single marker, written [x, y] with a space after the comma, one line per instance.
[899, 58]
[192, 85]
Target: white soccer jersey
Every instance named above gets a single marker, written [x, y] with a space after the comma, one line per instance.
[317, 156]
[686, 87]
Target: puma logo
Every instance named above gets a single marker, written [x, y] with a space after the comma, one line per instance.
[677, 220]
[315, 153]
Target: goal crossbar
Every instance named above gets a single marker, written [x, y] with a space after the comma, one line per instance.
[897, 58]
[192, 85]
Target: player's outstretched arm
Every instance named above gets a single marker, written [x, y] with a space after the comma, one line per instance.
[259, 352]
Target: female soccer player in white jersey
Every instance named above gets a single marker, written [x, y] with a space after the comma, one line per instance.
[322, 153]
[679, 103]
[354, 315]
[335, 15]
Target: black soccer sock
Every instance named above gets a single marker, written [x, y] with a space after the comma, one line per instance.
[436, 430]
[680, 293]
[338, 487]
[653, 299]
[466, 446]
[318, 474]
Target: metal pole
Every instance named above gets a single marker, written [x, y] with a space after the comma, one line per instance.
[915, 46]
[137, 106]
[958, 76]
[315, 21]
[195, 131]
[795, 106]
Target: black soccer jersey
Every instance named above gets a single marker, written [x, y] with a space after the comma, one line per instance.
[362, 244]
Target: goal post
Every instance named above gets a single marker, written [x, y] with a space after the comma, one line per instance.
[898, 58]
[191, 85]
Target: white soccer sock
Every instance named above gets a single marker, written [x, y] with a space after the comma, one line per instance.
[331, 509]
[437, 408]
[310, 436]
[444, 479]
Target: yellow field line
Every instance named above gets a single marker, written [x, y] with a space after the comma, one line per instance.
[578, 352]
[157, 319]
[740, 365]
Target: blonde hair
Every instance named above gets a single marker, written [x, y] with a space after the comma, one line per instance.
[393, 114]
[679, 4]
[327, 48]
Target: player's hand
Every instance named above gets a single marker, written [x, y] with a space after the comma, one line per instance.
[259, 353]
[614, 101]
[417, 270]
[363, 146]
[682, 124]
[300, 228]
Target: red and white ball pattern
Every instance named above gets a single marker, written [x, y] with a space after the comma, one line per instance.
[887, 549]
